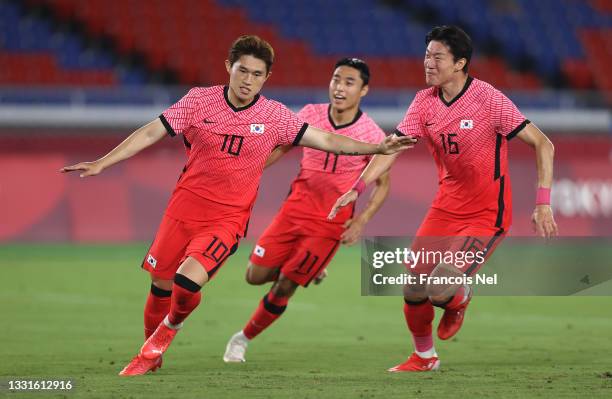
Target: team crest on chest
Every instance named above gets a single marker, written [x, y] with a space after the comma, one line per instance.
[466, 124]
[257, 128]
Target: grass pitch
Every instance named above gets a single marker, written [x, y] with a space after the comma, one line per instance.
[76, 312]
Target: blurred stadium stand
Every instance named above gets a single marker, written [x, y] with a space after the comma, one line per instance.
[77, 75]
[522, 47]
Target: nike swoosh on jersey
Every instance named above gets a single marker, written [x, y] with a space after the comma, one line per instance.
[428, 124]
[209, 121]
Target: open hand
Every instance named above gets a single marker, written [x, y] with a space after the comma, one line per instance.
[88, 168]
[544, 222]
[392, 144]
[354, 228]
[341, 202]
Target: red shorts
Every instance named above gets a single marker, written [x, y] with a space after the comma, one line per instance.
[295, 249]
[469, 242]
[176, 240]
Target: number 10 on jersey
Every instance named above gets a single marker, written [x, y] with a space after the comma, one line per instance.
[232, 144]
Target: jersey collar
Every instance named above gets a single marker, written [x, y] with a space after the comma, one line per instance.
[331, 121]
[465, 87]
[234, 108]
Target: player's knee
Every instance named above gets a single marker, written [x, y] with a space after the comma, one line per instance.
[445, 282]
[194, 270]
[440, 293]
[414, 293]
[254, 276]
[440, 300]
[161, 283]
[412, 298]
[284, 287]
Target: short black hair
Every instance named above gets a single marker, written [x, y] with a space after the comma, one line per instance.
[459, 42]
[360, 65]
[252, 45]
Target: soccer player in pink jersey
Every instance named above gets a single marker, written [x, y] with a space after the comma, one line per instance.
[300, 242]
[466, 125]
[230, 130]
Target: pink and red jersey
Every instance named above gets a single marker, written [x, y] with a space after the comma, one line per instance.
[325, 176]
[468, 139]
[228, 147]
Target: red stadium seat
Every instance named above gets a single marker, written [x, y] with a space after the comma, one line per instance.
[173, 33]
[598, 48]
[578, 74]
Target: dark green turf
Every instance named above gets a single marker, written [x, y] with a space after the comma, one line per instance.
[76, 311]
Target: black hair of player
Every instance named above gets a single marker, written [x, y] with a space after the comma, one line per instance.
[459, 42]
[360, 65]
[252, 45]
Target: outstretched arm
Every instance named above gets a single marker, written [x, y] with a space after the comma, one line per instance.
[342, 145]
[277, 154]
[142, 138]
[542, 218]
[378, 166]
[354, 226]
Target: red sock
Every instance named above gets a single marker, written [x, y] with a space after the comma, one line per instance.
[186, 297]
[419, 318]
[270, 308]
[156, 308]
[457, 299]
